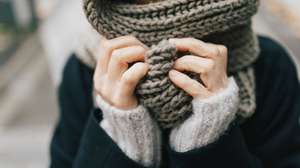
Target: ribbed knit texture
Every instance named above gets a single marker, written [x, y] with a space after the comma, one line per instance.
[135, 132]
[226, 22]
[210, 118]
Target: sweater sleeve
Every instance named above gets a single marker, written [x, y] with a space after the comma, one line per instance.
[211, 137]
[134, 130]
[210, 118]
[78, 140]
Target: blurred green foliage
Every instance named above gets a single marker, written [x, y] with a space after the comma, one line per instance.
[6, 13]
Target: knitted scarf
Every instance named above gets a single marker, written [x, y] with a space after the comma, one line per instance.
[226, 22]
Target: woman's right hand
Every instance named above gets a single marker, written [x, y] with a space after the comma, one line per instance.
[113, 80]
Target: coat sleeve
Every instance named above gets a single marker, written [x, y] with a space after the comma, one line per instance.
[271, 138]
[78, 140]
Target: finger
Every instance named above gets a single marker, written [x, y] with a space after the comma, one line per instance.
[108, 46]
[195, 46]
[121, 57]
[124, 41]
[192, 87]
[222, 49]
[131, 77]
[194, 64]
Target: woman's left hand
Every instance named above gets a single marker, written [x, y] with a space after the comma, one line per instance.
[208, 60]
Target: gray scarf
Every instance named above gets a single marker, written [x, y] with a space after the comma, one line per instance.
[226, 22]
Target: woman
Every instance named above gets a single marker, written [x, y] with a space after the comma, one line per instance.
[177, 83]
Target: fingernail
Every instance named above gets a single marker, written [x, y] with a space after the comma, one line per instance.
[173, 73]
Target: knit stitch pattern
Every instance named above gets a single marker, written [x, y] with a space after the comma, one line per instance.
[226, 22]
[169, 104]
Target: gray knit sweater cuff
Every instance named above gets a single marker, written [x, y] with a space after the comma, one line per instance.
[134, 131]
[210, 119]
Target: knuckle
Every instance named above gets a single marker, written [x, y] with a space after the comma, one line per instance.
[115, 55]
[194, 45]
[223, 50]
[105, 44]
[184, 59]
[128, 80]
[140, 49]
[136, 50]
[215, 51]
[188, 66]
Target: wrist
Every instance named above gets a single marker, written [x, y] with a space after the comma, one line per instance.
[125, 103]
[108, 107]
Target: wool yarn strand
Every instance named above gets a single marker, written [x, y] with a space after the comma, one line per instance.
[226, 22]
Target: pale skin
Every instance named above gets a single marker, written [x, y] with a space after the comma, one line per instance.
[116, 82]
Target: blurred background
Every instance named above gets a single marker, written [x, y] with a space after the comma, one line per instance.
[33, 51]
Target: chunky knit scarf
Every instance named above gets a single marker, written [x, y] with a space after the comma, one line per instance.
[226, 22]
